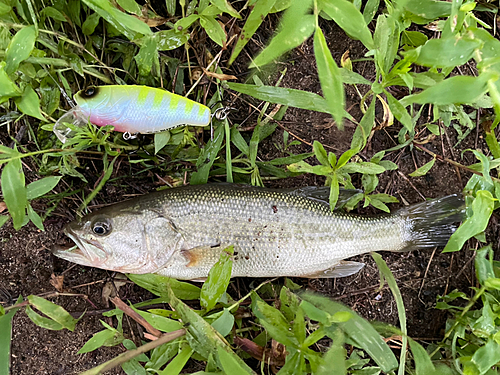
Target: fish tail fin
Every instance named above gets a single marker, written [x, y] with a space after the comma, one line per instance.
[431, 223]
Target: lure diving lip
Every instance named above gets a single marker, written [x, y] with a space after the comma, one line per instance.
[135, 109]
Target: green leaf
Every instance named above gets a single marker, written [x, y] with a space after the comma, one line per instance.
[399, 111]
[20, 48]
[146, 56]
[386, 40]
[320, 153]
[446, 53]
[7, 87]
[229, 364]
[284, 96]
[218, 279]
[363, 167]
[386, 274]
[53, 311]
[177, 364]
[296, 26]
[364, 129]
[413, 38]
[35, 218]
[107, 337]
[90, 23]
[159, 322]
[3, 219]
[275, 324]
[334, 192]
[454, 90]
[207, 157]
[486, 356]
[224, 323]
[357, 329]
[259, 12]
[482, 208]
[160, 285]
[4, 9]
[14, 191]
[348, 17]
[126, 24]
[370, 10]
[202, 337]
[423, 363]
[167, 40]
[5, 338]
[161, 140]
[224, 6]
[42, 321]
[422, 171]
[353, 78]
[29, 103]
[53, 13]
[484, 268]
[333, 362]
[50, 96]
[428, 9]
[41, 187]
[329, 77]
[214, 30]
[130, 6]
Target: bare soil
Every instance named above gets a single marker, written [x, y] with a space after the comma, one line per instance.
[26, 264]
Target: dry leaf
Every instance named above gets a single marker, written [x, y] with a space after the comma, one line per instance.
[3, 206]
[57, 282]
[222, 77]
[110, 291]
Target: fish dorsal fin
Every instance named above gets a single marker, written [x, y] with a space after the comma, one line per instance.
[342, 269]
[322, 194]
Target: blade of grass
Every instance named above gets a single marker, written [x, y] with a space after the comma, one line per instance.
[386, 274]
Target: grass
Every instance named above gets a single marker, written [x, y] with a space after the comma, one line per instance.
[49, 51]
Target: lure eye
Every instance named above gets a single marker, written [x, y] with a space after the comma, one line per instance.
[101, 228]
[90, 91]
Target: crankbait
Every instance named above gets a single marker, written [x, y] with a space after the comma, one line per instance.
[133, 109]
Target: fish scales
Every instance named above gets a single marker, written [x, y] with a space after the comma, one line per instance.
[181, 233]
[274, 233]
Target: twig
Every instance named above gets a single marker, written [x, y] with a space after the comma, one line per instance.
[411, 184]
[425, 273]
[454, 163]
[134, 315]
[127, 356]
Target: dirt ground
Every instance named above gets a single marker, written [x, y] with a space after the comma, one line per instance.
[26, 264]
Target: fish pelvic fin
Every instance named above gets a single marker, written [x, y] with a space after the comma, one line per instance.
[342, 269]
[431, 223]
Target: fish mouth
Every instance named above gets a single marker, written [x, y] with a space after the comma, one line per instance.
[86, 252]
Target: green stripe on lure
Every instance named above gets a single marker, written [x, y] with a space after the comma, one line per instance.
[139, 109]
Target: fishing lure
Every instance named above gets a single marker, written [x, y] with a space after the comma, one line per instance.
[133, 109]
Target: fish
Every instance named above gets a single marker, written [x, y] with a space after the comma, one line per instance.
[139, 109]
[181, 232]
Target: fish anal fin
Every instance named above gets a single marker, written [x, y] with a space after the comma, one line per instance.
[342, 269]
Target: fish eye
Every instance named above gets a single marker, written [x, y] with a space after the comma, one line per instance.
[101, 228]
[90, 91]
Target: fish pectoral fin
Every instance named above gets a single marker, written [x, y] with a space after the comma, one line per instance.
[198, 255]
[342, 269]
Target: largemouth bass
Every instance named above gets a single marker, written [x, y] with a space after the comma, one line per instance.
[181, 232]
